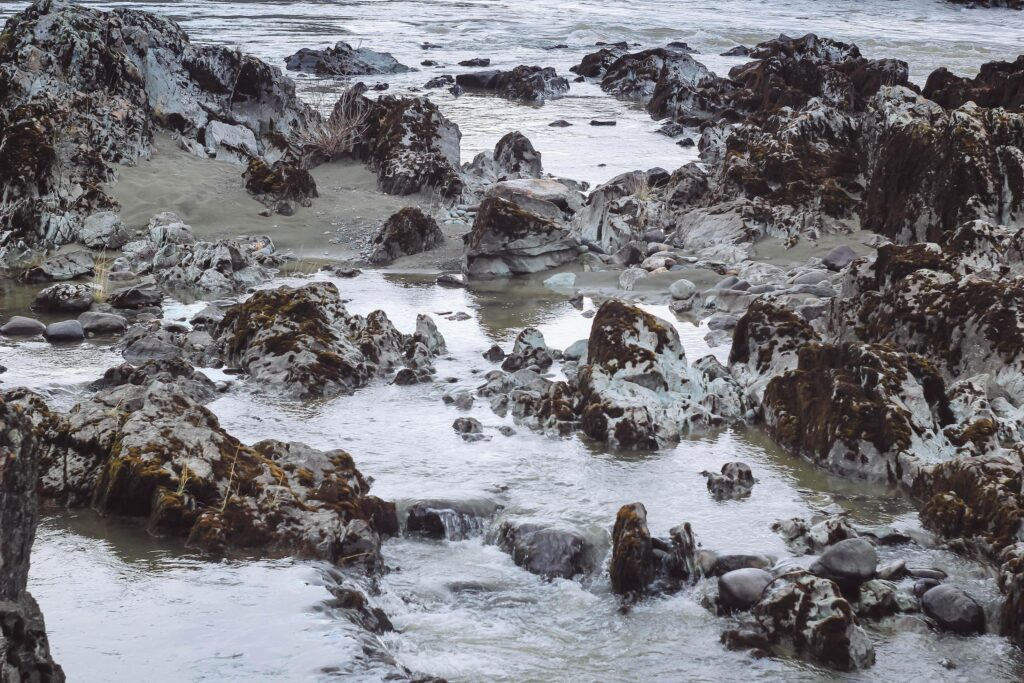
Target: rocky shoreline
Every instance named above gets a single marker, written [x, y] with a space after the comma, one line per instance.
[886, 346]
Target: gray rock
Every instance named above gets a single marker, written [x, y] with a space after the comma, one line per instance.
[66, 330]
[849, 563]
[60, 268]
[448, 519]
[407, 232]
[723, 321]
[467, 425]
[103, 323]
[811, 278]
[104, 230]
[682, 290]
[551, 553]
[740, 589]
[135, 297]
[64, 298]
[344, 60]
[577, 350]
[839, 257]
[735, 481]
[954, 609]
[21, 326]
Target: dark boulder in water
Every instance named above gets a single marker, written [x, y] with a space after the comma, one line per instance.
[632, 564]
[453, 520]
[523, 83]
[344, 60]
[954, 609]
[552, 553]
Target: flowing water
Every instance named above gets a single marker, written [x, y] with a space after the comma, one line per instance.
[122, 606]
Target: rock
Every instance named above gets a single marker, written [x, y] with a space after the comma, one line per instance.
[877, 599]
[64, 298]
[551, 553]
[839, 258]
[561, 281]
[631, 567]
[713, 564]
[599, 122]
[136, 297]
[103, 323]
[494, 354]
[507, 240]
[476, 61]
[954, 610]
[154, 79]
[735, 482]
[529, 350]
[514, 158]
[167, 228]
[997, 84]
[439, 82]
[809, 538]
[278, 182]
[448, 519]
[850, 562]
[560, 123]
[740, 589]
[523, 83]
[892, 571]
[305, 341]
[24, 648]
[21, 326]
[576, 351]
[344, 60]
[807, 615]
[467, 425]
[738, 51]
[630, 276]
[682, 290]
[408, 232]
[104, 230]
[68, 266]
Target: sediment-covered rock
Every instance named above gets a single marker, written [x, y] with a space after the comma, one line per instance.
[108, 81]
[408, 232]
[305, 341]
[507, 239]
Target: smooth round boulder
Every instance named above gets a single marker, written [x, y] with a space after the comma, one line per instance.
[103, 323]
[849, 563]
[740, 589]
[64, 331]
[954, 609]
[682, 289]
[839, 258]
[19, 326]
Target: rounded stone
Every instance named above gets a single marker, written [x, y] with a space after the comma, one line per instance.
[682, 289]
[741, 588]
[954, 609]
[848, 562]
[19, 325]
[66, 330]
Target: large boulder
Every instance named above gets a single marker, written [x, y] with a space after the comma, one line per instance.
[109, 81]
[305, 341]
[407, 232]
[523, 83]
[637, 390]
[551, 553]
[997, 84]
[344, 60]
[954, 609]
[24, 648]
[513, 157]
[68, 266]
[279, 184]
[507, 240]
[632, 563]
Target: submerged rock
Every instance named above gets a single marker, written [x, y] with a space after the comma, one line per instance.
[954, 609]
[448, 519]
[849, 563]
[735, 481]
[523, 83]
[551, 553]
[741, 589]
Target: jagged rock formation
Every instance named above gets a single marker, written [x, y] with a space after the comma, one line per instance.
[304, 341]
[24, 648]
[514, 157]
[344, 60]
[523, 83]
[408, 232]
[108, 81]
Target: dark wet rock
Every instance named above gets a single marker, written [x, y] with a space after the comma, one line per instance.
[560, 123]
[136, 297]
[494, 354]
[467, 425]
[174, 372]
[21, 326]
[145, 345]
[735, 481]
[507, 239]
[601, 122]
[596, 64]
[632, 563]
[110, 81]
[68, 266]
[448, 519]
[407, 232]
[922, 586]
[849, 563]
[740, 589]
[551, 553]
[637, 390]
[807, 615]
[439, 82]
[407, 141]
[523, 83]
[64, 298]
[344, 60]
[281, 181]
[24, 648]
[514, 157]
[358, 608]
[954, 609]
[476, 61]
[892, 571]
[738, 51]
[305, 341]
[997, 84]
[103, 323]
[209, 317]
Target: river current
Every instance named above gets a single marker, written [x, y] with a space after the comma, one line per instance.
[122, 606]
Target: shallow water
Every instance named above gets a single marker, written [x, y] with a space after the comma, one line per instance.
[925, 33]
[121, 606]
